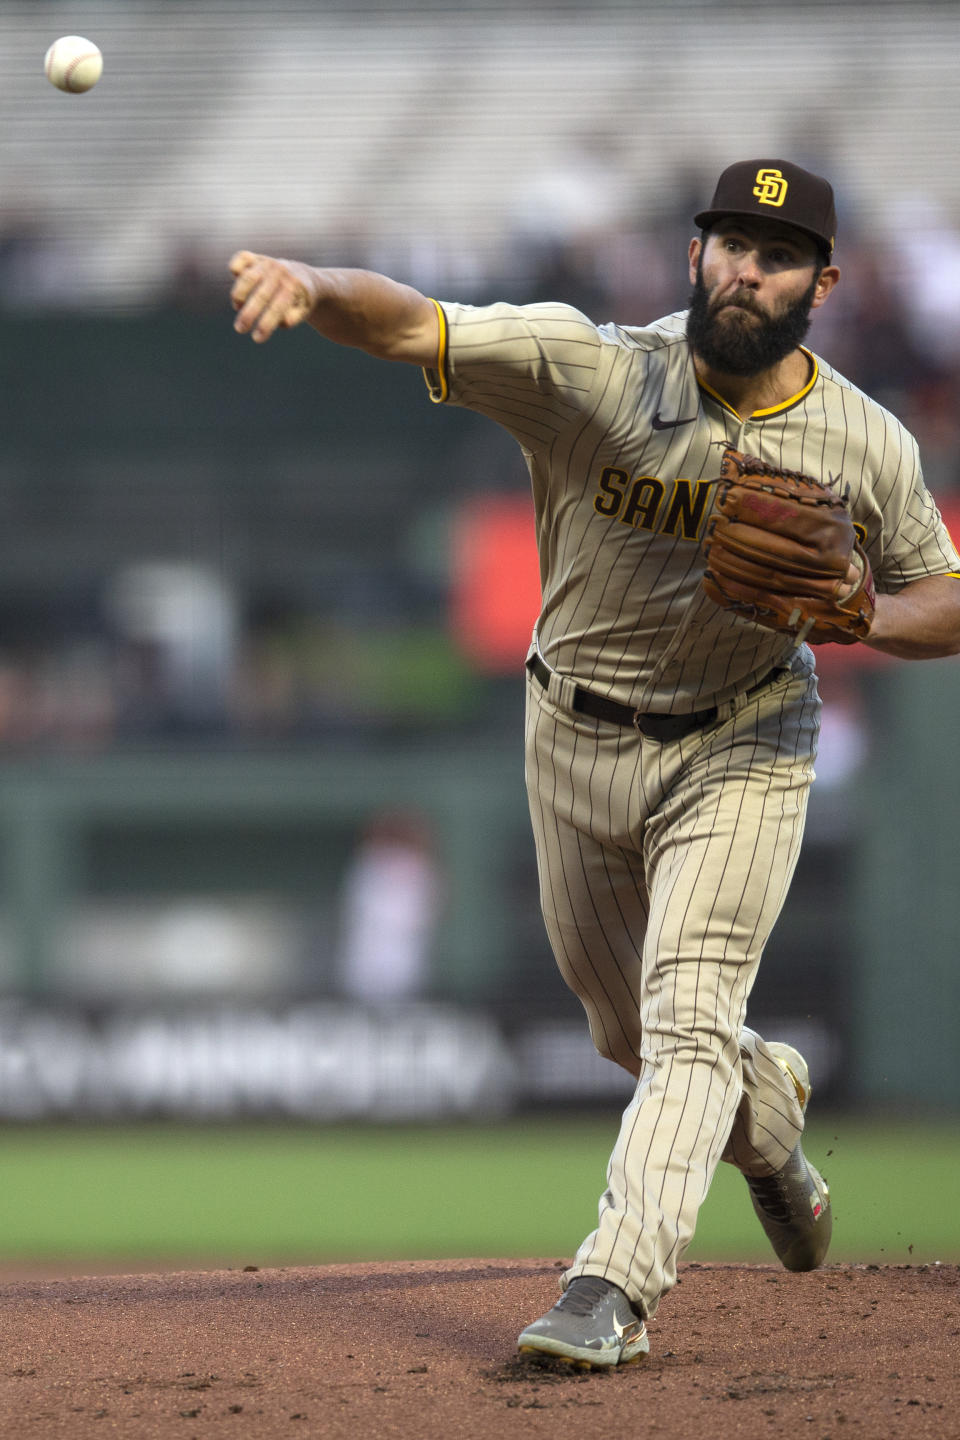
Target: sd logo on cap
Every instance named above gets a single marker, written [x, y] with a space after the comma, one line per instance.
[757, 187]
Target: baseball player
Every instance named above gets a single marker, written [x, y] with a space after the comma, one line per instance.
[672, 718]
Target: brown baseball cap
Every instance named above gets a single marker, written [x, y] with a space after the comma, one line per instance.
[775, 190]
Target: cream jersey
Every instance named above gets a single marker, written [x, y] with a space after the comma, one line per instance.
[623, 446]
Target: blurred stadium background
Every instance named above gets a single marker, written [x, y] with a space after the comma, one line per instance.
[264, 850]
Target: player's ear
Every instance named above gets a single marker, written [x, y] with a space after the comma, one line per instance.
[693, 254]
[826, 280]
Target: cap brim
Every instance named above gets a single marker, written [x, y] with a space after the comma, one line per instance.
[706, 218]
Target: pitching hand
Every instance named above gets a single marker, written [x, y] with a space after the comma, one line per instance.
[270, 294]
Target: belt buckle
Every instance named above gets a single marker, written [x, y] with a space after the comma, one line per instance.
[668, 728]
[655, 727]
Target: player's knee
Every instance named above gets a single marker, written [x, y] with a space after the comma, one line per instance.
[619, 1047]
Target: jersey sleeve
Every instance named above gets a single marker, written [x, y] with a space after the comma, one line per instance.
[917, 542]
[534, 369]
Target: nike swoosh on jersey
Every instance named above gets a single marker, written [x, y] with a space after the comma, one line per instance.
[659, 424]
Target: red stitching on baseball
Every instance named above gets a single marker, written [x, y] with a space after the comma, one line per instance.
[68, 73]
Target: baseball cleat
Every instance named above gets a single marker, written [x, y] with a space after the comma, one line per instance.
[794, 1066]
[592, 1325]
[793, 1204]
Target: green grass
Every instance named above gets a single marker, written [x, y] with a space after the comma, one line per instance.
[262, 1195]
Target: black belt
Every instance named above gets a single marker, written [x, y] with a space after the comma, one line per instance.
[654, 726]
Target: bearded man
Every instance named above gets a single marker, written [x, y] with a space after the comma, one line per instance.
[670, 741]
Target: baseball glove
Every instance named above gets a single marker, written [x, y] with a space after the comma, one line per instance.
[779, 550]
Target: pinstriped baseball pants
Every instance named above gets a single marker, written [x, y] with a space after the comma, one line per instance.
[663, 868]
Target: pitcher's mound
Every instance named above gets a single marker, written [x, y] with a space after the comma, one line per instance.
[426, 1349]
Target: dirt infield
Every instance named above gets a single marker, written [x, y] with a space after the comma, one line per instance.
[425, 1349]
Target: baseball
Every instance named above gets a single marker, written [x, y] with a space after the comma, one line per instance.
[73, 64]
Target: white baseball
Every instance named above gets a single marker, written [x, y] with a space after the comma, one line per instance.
[73, 64]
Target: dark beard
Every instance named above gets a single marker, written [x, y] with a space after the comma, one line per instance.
[737, 347]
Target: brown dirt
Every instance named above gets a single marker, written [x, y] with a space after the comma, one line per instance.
[425, 1349]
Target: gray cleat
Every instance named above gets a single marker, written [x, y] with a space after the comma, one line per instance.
[592, 1325]
[793, 1204]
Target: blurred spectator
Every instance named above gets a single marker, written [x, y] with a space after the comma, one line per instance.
[181, 621]
[390, 906]
[926, 256]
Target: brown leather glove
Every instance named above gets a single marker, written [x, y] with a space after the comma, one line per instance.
[779, 550]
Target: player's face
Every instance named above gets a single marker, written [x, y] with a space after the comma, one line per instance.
[754, 289]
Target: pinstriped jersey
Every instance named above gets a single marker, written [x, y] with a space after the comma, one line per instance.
[623, 446]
